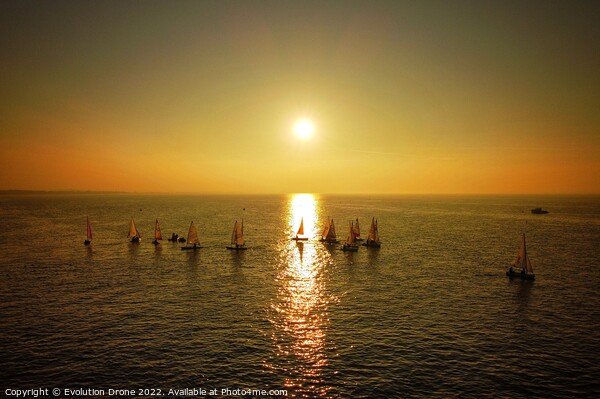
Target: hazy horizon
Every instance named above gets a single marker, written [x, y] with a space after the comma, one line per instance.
[267, 194]
[206, 97]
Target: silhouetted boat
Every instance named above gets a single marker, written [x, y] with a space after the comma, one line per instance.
[237, 237]
[300, 232]
[350, 244]
[521, 262]
[89, 232]
[134, 234]
[373, 239]
[157, 235]
[538, 211]
[328, 235]
[193, 242]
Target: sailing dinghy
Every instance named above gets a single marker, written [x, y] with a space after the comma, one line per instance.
[328, 235]
[237, 237]
[350, 244]
[89, 233]
[193, 242]
[373, 239]
[521, 262]
[157, 235]
[300, 232]
[134, 234]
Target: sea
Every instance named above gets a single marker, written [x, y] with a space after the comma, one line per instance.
[429, 314]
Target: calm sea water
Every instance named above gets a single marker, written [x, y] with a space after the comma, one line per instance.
[430, 314]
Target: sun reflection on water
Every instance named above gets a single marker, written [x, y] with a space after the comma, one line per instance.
[303, 207]
[300, 313]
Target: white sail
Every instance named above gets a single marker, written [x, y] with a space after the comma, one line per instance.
[356, 229]
[192, 237]
[331, 233]
[300, 231]
[133, 232]
[522, 260]
[89, 230]
[157, 234]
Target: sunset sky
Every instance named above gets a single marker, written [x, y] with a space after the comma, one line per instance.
[202, 96]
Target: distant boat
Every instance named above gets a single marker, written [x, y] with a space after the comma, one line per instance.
[133, 232]
[373, 239]
[350, 244]
[89, 232]
[328, 235]
[157, 235]
[300, 232]
[521, 262]
[357, 231]
[193, 242]
[237, 237]
[539, 211]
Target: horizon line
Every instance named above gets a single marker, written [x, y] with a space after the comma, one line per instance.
[75, 191]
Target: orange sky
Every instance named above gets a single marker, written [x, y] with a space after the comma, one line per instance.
[415, 97]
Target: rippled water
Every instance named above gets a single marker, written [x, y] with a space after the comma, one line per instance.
[430, 314]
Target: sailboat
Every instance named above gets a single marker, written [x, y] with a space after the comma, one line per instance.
[134, 234]
[373, 239]
[237, 237]
[193, 242]
[300, 232]
[328, 235]
[89, 233]
[357, 231]
[157, 235]
[521, 262]
[350, 244]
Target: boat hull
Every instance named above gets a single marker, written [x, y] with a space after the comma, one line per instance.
[300, 238]
[349, 248]
[330, 242]
[190, 248]
[236, 248]
[135, 240]
[372, 244]
[87, 242]
[522, 276]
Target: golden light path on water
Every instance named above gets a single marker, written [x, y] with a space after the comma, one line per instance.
[300, 314]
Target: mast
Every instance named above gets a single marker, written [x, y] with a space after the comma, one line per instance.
[372, 231]
[351, 240]
[193, 235]
[89, 229]
[300, 231]
[522, 260]
[240, 233]
[133, 232]
[331, 233]
[326, 229]
[357, 229]
[157, 234]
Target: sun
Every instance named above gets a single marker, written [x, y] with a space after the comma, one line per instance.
[304, 129]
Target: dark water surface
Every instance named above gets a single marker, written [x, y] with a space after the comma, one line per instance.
[430, 314]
